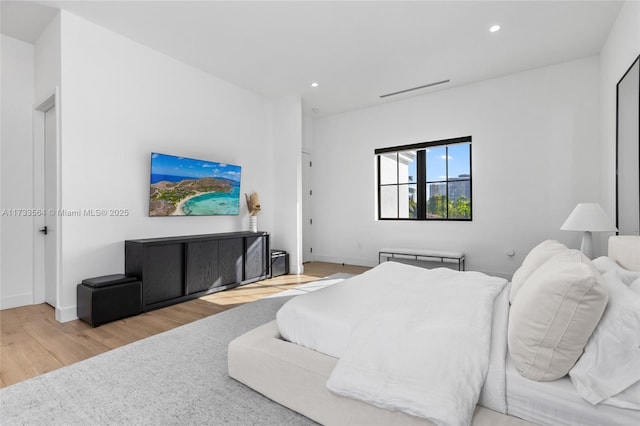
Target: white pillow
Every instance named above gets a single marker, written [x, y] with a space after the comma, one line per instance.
[626, 277]
[604, 264]
[609, 370]
[554, 315]
[536, 257]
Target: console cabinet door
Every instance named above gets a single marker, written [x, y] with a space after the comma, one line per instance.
[163, 273]
[230, 261]
[256, 262]
[202, 266]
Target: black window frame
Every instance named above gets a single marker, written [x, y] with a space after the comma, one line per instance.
[421, 178]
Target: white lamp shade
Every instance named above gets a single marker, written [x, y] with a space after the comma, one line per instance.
[588, 217]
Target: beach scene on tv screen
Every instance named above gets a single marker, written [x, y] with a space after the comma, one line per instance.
[189, 187]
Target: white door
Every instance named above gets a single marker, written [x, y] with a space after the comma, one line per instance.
[307, 219]
[50, 188]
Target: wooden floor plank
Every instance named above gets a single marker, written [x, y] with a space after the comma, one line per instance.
[13, 320]
[58, 343]
[205, 307]
[84, 339]
[25, 359]
[32, 342]
[181, 314]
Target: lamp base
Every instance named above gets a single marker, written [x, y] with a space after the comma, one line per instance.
[587, 244]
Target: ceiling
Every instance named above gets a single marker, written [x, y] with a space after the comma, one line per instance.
[355, 50]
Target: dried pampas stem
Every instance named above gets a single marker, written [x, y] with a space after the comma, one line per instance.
[253, 204]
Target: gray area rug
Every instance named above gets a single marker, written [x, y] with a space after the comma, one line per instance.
[178, 377]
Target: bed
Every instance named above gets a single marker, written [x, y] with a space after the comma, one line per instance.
[299, 375]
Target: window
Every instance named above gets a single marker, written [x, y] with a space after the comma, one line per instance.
[425, 181]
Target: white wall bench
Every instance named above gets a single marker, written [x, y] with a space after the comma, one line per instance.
[425, 255]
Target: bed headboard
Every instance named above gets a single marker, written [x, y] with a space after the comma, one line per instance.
[625, 250]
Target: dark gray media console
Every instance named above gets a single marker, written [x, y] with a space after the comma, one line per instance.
[176, 269]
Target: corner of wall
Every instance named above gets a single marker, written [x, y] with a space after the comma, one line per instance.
[287, 177]
[66, 314]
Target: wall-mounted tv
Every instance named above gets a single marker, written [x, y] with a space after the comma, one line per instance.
[188, 187]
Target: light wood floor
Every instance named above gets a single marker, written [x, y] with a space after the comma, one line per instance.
[32, 342]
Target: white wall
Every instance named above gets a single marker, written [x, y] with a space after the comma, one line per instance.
[16, 280]
[535, 155]
[620, 50]
[120, 101]
[47, 61]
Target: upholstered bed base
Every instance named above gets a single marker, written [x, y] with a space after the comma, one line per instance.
[296, 377]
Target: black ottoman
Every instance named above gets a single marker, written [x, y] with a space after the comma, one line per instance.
[108, 298]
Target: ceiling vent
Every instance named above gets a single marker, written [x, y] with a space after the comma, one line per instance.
[414, 88]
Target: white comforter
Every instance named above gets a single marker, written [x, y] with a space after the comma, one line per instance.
[420, 345]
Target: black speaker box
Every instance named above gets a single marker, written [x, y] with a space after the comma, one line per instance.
[279, 263]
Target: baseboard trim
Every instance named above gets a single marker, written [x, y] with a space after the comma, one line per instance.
[345, 260]
[16, 301]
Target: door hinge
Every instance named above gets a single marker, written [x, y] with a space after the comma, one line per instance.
[44, 230]
[311, 192]
[310, 221]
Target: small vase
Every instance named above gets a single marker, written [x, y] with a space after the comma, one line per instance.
[253, 223]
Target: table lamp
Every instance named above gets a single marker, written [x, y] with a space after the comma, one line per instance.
[588, 217]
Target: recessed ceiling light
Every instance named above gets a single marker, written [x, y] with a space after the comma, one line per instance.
[314, 84]
[494, 28]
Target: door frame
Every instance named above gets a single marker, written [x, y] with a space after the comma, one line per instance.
[49, 101]
[307, 207]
